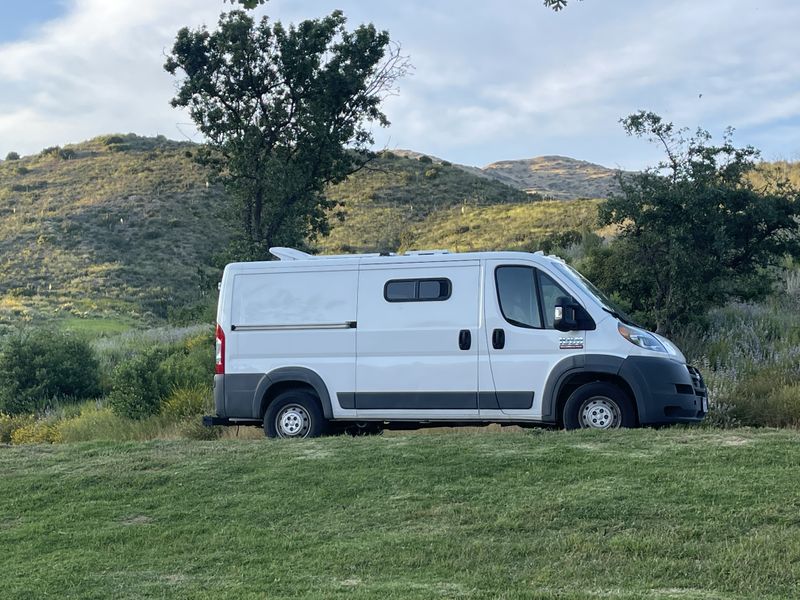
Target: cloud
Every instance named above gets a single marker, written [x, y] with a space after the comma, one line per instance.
[492, 80]
[96, 70]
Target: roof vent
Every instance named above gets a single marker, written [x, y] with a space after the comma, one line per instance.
[289, 254]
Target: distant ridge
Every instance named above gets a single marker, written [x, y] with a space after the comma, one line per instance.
[558, 177]
[553, 177]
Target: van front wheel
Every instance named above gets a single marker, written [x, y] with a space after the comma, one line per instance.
[599, 405]
[294, 414]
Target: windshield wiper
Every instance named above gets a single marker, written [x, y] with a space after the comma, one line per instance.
[622, 317]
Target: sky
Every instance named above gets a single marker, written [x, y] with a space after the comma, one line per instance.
[491, 80]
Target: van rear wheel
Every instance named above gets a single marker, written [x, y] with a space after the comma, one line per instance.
[599, 405]
[294, 414]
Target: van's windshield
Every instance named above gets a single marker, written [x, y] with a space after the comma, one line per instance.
[589, 288]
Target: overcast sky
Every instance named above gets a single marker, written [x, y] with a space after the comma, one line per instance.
[492, 80]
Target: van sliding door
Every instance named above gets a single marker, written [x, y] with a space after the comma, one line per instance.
[417, 340]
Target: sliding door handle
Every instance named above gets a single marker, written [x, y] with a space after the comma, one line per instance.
[464, 339]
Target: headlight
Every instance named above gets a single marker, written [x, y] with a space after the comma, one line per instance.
[641, 338]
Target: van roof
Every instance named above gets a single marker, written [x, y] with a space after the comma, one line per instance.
[293, 257]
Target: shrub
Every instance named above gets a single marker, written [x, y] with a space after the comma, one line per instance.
[38, 432]
[41, 365]
[138, 385]
[12, 156]
[425, 159]
[189, 401]
[10, 423]
[50, 151]
[192, 363]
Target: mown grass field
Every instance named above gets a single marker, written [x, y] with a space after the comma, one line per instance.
[677, 513]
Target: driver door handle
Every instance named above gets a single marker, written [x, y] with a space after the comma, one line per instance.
[498, 339]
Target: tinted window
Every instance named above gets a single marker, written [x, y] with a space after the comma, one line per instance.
[434, 289]
[399, 291]
[516, 291]
[417, 290]
[551, 292]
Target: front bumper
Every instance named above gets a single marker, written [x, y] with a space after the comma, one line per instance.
[666, 391]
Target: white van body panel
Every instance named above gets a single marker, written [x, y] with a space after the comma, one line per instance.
[326, 323]
[283, 318]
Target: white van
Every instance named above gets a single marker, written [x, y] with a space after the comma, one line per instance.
[310, 343]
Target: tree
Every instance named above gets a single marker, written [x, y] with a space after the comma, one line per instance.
[12, 156]
[556, 5]
[694, 231]
[285, 111]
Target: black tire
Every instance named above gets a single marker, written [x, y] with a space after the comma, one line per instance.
[599, 405]
[295, 414]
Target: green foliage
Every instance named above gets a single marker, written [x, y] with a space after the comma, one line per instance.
[139, 384]
[12, 156]
[41, 365]
[556, 5]
[187, 401]
[10, 423]
[150, 372]
[191, 364]
[286, 110]
[38, 432]
[694, 231]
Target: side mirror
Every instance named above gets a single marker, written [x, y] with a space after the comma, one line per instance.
[566, 314]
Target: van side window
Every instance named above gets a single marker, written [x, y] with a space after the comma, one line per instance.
[417, 290]
[516, 292]
[550, 291]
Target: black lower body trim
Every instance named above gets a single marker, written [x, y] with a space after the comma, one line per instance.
[436, 400]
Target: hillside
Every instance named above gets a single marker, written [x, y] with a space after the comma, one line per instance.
[117, 226]
[386, 200]
[677, 513]
[125, 229]
[557, 177]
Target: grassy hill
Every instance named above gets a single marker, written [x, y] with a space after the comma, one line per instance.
[119, 226]
[679, 513]
[385, 201]
[557, 177]
[121, 230]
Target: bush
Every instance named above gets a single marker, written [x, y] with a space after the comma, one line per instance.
[425, 159]
[138, 385]
[192, 363]
[38, 432]
[12, 156]
[41, 365]
[10, 423]
[190, 401]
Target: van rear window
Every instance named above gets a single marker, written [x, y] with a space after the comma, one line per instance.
[417, 290]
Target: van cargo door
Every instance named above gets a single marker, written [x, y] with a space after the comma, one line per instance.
[417, 340]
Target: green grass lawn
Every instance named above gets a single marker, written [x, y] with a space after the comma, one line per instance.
[679, 513]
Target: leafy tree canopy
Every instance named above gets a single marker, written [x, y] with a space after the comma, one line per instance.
[285, 111]
[694, 231]
[556, 5]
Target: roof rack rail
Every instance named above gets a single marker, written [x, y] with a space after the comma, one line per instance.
[294, 254]
[424, 252]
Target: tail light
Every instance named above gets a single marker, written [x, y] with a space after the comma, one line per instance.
[219, 369]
